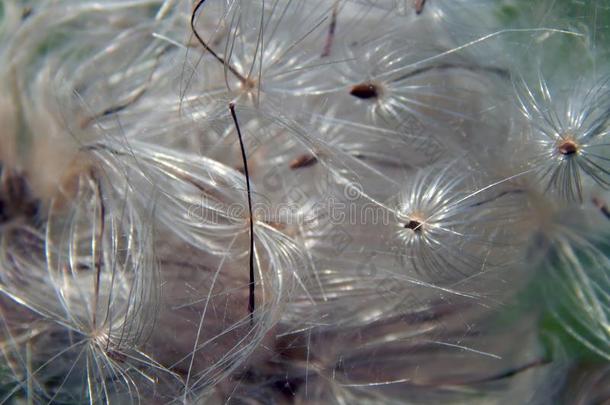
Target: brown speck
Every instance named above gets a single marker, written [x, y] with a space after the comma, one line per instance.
[568, 147]
[16, 199]
[303, 161]
[414, 225]
[331, 31]
[419, 6]
[27, 11]
[365, 91]
[280, 226]
[116, 356]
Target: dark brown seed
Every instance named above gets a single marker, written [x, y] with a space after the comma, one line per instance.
[303, 161]
[364, 91]
[414, 225]
[331, 31]
[27, 11]
[16, 199]
[116, 356]
[568, 147]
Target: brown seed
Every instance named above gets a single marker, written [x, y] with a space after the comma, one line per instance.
[116, 356]
[303, 161]
[364, 91]
[280, 226]
[419, 6]
[414, 225]
[568, 147]
[331, 31]
[26, 12]
[16, 199]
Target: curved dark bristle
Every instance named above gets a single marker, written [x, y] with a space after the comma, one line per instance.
[230, 67]
[251, 300]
